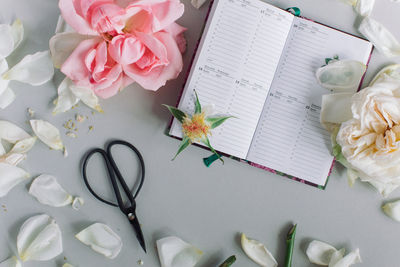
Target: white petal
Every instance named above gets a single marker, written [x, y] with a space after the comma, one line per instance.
[383, 188]
[10, 176]
[350, 2]
[174, 252]
[13, 159]
[17, 31]
[48, 191]
[3, 68]
[341, 75]
[66, 99]
[352, 176]
[6, 98]
[23, 146]
[47, 133]
[320, 253]
[392, 209]
[335, 109]
[350, 259]
[39, 239]
[77, 203]
[87, 96]
[67, 265]
[35, 69]
[391, 71]
[364, 7]
[257, 252]
[198, 3]
[336, 257]
[380, 37]
[11, 132]
[101, 239]
[6, 41]
[11, 262]
[63, 44]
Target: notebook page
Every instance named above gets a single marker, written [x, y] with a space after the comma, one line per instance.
[234, 68]
[289, 137]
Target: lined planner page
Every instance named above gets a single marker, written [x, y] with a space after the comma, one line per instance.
[289, 137]
[234, 68]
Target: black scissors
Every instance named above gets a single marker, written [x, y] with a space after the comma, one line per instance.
[128, 210]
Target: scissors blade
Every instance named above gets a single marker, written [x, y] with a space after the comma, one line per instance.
[139, 234]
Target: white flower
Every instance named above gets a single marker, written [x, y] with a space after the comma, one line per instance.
[39, 239]
[11, 262]
[48, 191]
[321, 253]
[258, 252]
[174, 252]
[33, 69]
[101, 239]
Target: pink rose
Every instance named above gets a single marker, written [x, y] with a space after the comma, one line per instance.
[139, 42]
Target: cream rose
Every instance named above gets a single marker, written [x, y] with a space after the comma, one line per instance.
[368, 140]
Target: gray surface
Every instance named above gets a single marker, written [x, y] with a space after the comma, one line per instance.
[207, 207]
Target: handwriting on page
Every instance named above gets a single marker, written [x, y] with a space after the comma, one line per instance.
[236, 66]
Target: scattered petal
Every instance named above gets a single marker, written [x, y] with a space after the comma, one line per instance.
[11, 262]
[341, 75]
[11, 132]
[7, 41]
[392, 71]
[23, 146]
[350, 259]
[174, 252]
[198, 3]
[380, 37]
[364, 7]
[35, 69]
[48, 191]
[12, 159]
[257, 252]
[320, 253]
[101, 239]
[392, 209]
[31, 112]
[10, 177]
[77, 203]
[335, 109]
[47, 133]
[67, 265]
[66, 99]
[39, 239]
[6, 98]
[87, 96]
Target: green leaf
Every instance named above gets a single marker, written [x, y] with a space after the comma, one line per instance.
[215, 122]
[197, 104]
[206, 141]
[185, 143]
[177, 113]
[228, 261]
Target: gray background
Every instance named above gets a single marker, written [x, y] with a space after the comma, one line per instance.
[207, 207]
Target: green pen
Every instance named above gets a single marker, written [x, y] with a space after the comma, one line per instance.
[229, 261]
[290, 245]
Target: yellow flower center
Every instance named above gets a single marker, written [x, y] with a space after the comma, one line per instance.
[195, 128]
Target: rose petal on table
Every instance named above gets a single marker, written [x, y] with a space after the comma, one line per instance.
[392, 209]
[39, 239]
[23, 146]
[48, 191]
[341, 75]
[47, 133]
[63, 44]
[335, 109]
[11, 262]
[101, 239]
[87, 96]
[350, 2]
[348, 260]
[66, 98]
[336, 257]
[380, 37]
[320, 253]
[11, 132]
[391, 71]
[6, 41]
[174, 252]
[364, 7]
[17, 30]
[6, 98]
[13, 159]
[198, 3]
[10, 176]
[383, 188]
[35, 69]
[77, 203]
[3, 68]
[65, 265]
[257, 252]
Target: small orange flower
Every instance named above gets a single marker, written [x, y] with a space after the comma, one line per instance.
[196, 128]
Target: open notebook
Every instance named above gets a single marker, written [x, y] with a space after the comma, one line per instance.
[257, 62]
